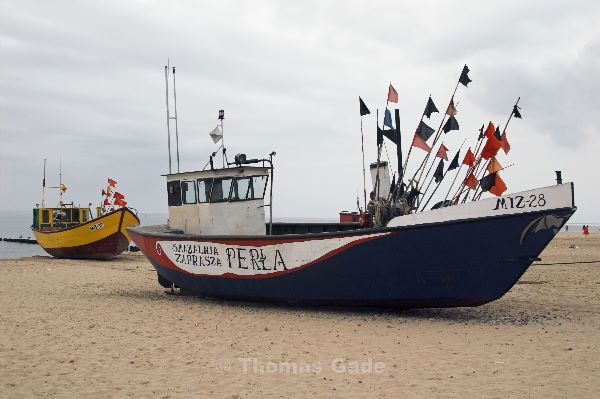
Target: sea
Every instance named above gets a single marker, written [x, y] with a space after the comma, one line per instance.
[16, 224]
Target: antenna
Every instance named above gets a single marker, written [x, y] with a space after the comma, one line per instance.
[168, 118]
[60, 178]
[44, 185]
[175, 117]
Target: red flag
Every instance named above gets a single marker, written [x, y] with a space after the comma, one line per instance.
[505, 143]
[106, 203]
[499, 186]
[491, 147]
[119, 196]
[469, 158]
[112, 182]
[120, 202]
[420, 143]
[471, 181]
[392, 94]
[442, 152]
[490, 130]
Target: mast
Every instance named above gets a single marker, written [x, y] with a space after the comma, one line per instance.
[168, 118]
[175, 117]
[221, 117]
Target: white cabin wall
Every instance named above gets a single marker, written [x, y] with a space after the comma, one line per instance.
[384, 179]
[237, 218]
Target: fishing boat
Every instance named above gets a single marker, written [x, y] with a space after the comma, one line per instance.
[218, 241]
[69, 231]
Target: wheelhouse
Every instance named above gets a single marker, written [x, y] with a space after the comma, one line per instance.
[49, 218]
[220, 201]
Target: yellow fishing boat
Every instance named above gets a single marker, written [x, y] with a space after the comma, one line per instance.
[68, 231]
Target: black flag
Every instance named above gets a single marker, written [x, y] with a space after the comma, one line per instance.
[363, 108]
[454, 163]
[439, 172]
[410, 198]
[464, 76]
[430, 108]
[451, 124]
[487, 182]
[481, 135]
[516, 112]
[424, 131]
[497, 134]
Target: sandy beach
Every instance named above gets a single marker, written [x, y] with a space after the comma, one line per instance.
[107, 329]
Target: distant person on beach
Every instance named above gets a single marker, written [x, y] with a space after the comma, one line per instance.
[586, 230]
[567, 228]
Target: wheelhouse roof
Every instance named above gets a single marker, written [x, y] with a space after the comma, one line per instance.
[226, 172]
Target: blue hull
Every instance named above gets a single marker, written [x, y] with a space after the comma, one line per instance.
[456, 263]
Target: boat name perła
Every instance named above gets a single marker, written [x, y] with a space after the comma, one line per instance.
[520, 201]
[197, 255]
[96, 226]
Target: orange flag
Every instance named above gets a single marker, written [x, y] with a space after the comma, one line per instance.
[469, 158]
[392, 94]
[420, 143]
[112, 182]
[493, 166]
[499, 186]
[471, 181]
[442, 152]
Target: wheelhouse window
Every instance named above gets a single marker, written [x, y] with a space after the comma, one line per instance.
[85, 215]
[174, 193]
[45, 216]
[221, 189]
[242, 189]
[188, 191]
[259, 184]
[75, 215]
[204, 187]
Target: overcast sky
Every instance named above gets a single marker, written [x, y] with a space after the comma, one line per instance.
[84, 81]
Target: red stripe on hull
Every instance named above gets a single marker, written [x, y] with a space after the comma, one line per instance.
[148, 244]
[106, 248]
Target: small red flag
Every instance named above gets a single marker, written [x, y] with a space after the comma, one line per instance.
[106, 203]
[112, 182]
[471, 181]
[505, 143]
[451, 110]
[120, 202]
[392, 94]
[491, 147]
[118, 195]
[420, 143]
[490, 130]
[499, 186]
[442, 152]
[469, 158]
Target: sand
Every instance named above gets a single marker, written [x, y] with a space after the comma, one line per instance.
[106, 329]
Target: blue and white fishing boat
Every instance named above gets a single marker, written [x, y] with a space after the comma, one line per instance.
[217, 243]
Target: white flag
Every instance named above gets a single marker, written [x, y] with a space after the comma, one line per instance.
[216, 134]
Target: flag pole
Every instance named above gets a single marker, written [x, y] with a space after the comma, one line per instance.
[436, 187]
[362, 146]
[471, 168]
[44, 185]
[456, 174]
[512, 112]
[376, 188]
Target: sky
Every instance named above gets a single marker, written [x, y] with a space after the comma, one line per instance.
[82, 83]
